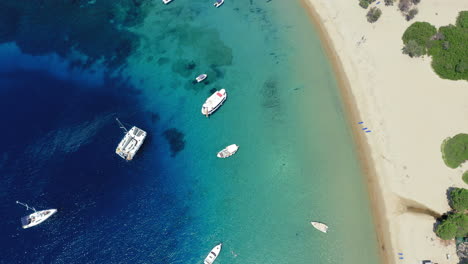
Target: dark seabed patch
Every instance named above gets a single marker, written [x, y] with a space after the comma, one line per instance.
[94, 28]
[176, 140]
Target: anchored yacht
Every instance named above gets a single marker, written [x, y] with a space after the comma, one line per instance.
[213, 254]
[214, 102]
[201, 77]
[320, 226]
[166, 1]
[131, 142]
[35, 218]
[228, 151]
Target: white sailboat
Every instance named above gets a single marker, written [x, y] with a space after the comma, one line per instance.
[214, 102]
[131, 142]
[228, 151]
[35, 218]
[320, 226]
[214, 253]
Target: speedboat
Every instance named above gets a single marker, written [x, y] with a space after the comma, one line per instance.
[320, 226]
[214, 102]
[213, 254]
[131, 142]
[201, 77]
[36, 218]
[218, 3]
[166, 1]
[228, 151]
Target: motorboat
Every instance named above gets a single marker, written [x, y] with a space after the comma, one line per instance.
[320, 226]
[214, 102]
[218, 3]
[228, 151]
[201, 77]
[214, 253]
[166, 1]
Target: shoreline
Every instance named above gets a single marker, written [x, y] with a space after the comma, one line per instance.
[361, 145]
[411, 112]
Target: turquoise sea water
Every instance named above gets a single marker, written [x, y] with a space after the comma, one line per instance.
[296, 161]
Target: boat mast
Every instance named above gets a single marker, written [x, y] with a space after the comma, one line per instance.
[25, 205]
[121, 125]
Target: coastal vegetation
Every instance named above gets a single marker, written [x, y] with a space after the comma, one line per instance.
[455, 223]
[408, 8]
[446, 46]
[455, 150]
[459, 199]
[373, 14]
[465, 177]
[365, 3]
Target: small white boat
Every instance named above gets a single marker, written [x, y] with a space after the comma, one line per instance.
[320, 226]
[228, 151]
[35, 218]
[166, 1]
[214, 102]
[218, 3]
[201, 77]
[213, 254]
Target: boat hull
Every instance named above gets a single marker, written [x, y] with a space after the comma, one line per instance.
[228, 151]
[214, 102]
[320, 226]
[214, 253]
[37, 218]
[201, 77]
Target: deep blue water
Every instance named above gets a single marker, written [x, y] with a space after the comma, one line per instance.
[59, 138]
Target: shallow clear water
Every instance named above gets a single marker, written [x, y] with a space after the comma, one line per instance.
[176, 200]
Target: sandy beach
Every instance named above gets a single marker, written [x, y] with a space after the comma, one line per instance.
[410, 111]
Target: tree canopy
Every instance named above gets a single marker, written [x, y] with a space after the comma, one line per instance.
[447, 46]
[459, 199]
[455, 150]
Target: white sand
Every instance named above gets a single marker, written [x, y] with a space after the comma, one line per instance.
[410, 111]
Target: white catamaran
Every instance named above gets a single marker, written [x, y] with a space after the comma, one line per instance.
[35, 218]
[213, 254]
[131, 142]
[214, 102]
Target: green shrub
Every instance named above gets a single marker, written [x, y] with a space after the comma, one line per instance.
[462, 19]
[388, 2]
[459, 199]
[373, 14]
[364, 4]
[446, 230]
[421, 32]
[455, 150]
[450, 56]
[413, 49]
[456, 225]
[404, 5]
[411, 14]
[465, 177]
